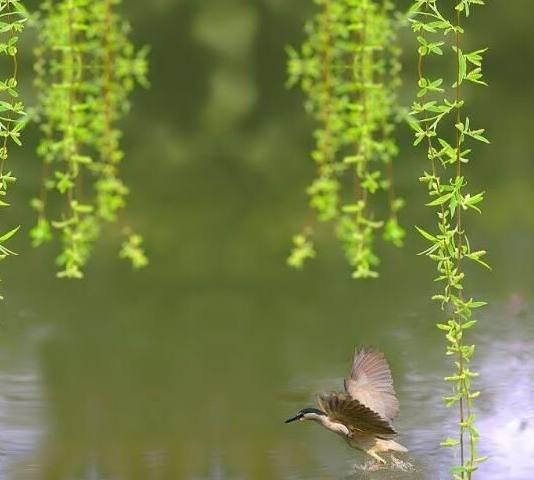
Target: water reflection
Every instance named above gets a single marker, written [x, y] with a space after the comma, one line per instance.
[508, 419]
[21, 419]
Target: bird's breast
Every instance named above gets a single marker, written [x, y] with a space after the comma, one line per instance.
[335, 427]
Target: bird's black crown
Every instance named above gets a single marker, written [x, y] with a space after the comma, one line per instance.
[304, 411]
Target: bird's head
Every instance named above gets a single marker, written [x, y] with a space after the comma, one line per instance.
[307, 414]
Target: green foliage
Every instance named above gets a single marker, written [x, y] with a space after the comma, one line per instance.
[348, 68]
[86, 69]
[13, 18]
[446, 183]
[303, 249]
[132, 249]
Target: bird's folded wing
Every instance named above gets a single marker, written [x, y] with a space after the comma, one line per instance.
[371, 383]
[354, 415]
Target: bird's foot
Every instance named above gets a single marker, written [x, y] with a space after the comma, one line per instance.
[377, 457]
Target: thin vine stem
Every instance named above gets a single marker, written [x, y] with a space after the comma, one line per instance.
[459, 232]
[363, 144]
[450, 246]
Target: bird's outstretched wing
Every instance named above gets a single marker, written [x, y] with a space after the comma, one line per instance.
[354, 415]
[371, 383]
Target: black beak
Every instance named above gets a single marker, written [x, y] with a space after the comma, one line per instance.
[292, 419]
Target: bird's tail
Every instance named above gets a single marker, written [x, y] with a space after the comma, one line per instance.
[385, 445]
[396, 447]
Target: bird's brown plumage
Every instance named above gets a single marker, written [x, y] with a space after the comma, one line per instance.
[359, 419]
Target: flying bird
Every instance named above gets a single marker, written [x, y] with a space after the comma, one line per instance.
[364, 412]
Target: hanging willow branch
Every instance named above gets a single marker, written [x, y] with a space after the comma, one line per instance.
[13, 17]
[86, 69]
[348, 68]
[449, 246]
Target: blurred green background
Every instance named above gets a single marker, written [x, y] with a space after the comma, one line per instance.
[187, 369]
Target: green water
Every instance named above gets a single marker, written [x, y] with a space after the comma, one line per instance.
[188, 369]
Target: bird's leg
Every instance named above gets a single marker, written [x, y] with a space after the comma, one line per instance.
[376, 456]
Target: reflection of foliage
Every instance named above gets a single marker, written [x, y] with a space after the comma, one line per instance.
[348, 67]
[449, 246]
[86, 69]
[12, 116]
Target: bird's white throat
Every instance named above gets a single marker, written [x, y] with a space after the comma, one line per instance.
[335, 427]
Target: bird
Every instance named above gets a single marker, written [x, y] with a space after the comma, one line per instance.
[363, 414]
